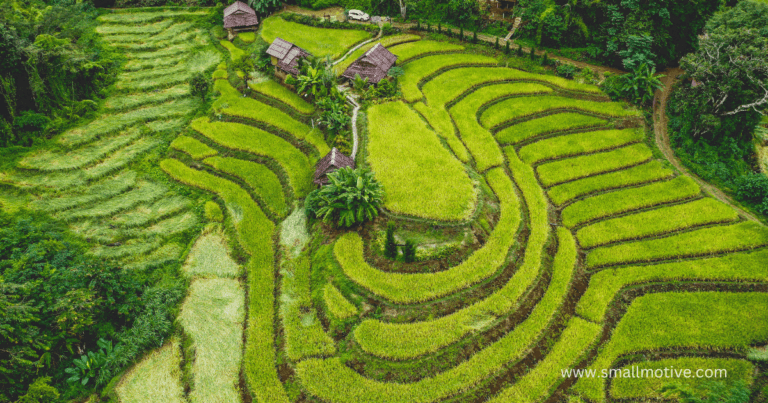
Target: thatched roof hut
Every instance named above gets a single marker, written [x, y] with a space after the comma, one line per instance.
[285, 55]
[331, 162]
[373, 65]
[239, 16]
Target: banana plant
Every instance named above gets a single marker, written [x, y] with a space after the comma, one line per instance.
[88, 365]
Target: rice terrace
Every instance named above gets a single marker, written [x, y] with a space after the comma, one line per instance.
[235, 202]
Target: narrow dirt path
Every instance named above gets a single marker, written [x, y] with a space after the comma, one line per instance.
[660, 120]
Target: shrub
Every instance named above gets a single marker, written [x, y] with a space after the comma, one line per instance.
[506, 48]
[390, 247]
[199, 85]
[40, 391]
[566, 70]
[409, 251]
[753, 189]
[351, 197]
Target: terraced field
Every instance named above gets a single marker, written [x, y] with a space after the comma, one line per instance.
[584, 250]
[592, 234]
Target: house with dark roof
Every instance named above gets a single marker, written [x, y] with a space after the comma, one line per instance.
[285, 57]
[331, 162]
[372, 65]
[239, 17]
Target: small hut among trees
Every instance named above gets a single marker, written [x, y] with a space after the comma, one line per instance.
[373, 65]
[239, 17]
[285, 57]
[331, 162]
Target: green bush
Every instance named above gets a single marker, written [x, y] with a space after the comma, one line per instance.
[390, 247]
[409, 251]
[351, 197]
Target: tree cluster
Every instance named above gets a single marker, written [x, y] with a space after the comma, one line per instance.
[57, 302]
[351, 197]
[52, 67]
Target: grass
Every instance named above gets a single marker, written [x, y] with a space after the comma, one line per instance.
[578, 143]
[656, 222]
[252, 140]
[121, 158]
[192, 147]
[171, 51]
[479, 140]
[411, 288]
[516, 108]
[157, 377]
[143, 192]
[173, 225]
[731, 320]
[387, 42]
[133, 249]
[304, 334]
[247, 37]
[451, 84]
[557, 172]
[409, 340]
[448, 86]
[337, 305]
[112, 123]
[407, 157]
[168, 253]
[88, 195]
[47, 160]
[547, 124]
[535, 386]
[209, 257]
[233, 104]
[622, 201]
[415, 72]
[408, 51]
[146, 29]
[255, 236]
[235, 53]
[261, 179]
[334, 382]
[213, 212]
[606, 284]
[165, 61]
[213, 316]
[441, 123]
[274, 90]
[147, 213]
[706, 241]
[649, 387]
[135, 17]
[320, 42]
[131, 101]
[648, 172]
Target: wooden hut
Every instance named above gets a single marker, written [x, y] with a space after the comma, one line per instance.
[285, 57]
[239, 17]
[373, 65]
[331, 162]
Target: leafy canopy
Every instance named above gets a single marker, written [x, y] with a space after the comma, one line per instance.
[352, 196]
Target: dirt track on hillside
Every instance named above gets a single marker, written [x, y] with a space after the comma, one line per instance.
[660, 120]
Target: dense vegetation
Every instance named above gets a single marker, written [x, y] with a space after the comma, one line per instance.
[57, 302]
[716, 108]
[53, 68]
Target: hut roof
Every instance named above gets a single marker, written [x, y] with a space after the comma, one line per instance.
[373, 65]
[332, 161]
[287, 55]
[238, 14]
[238, 6]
